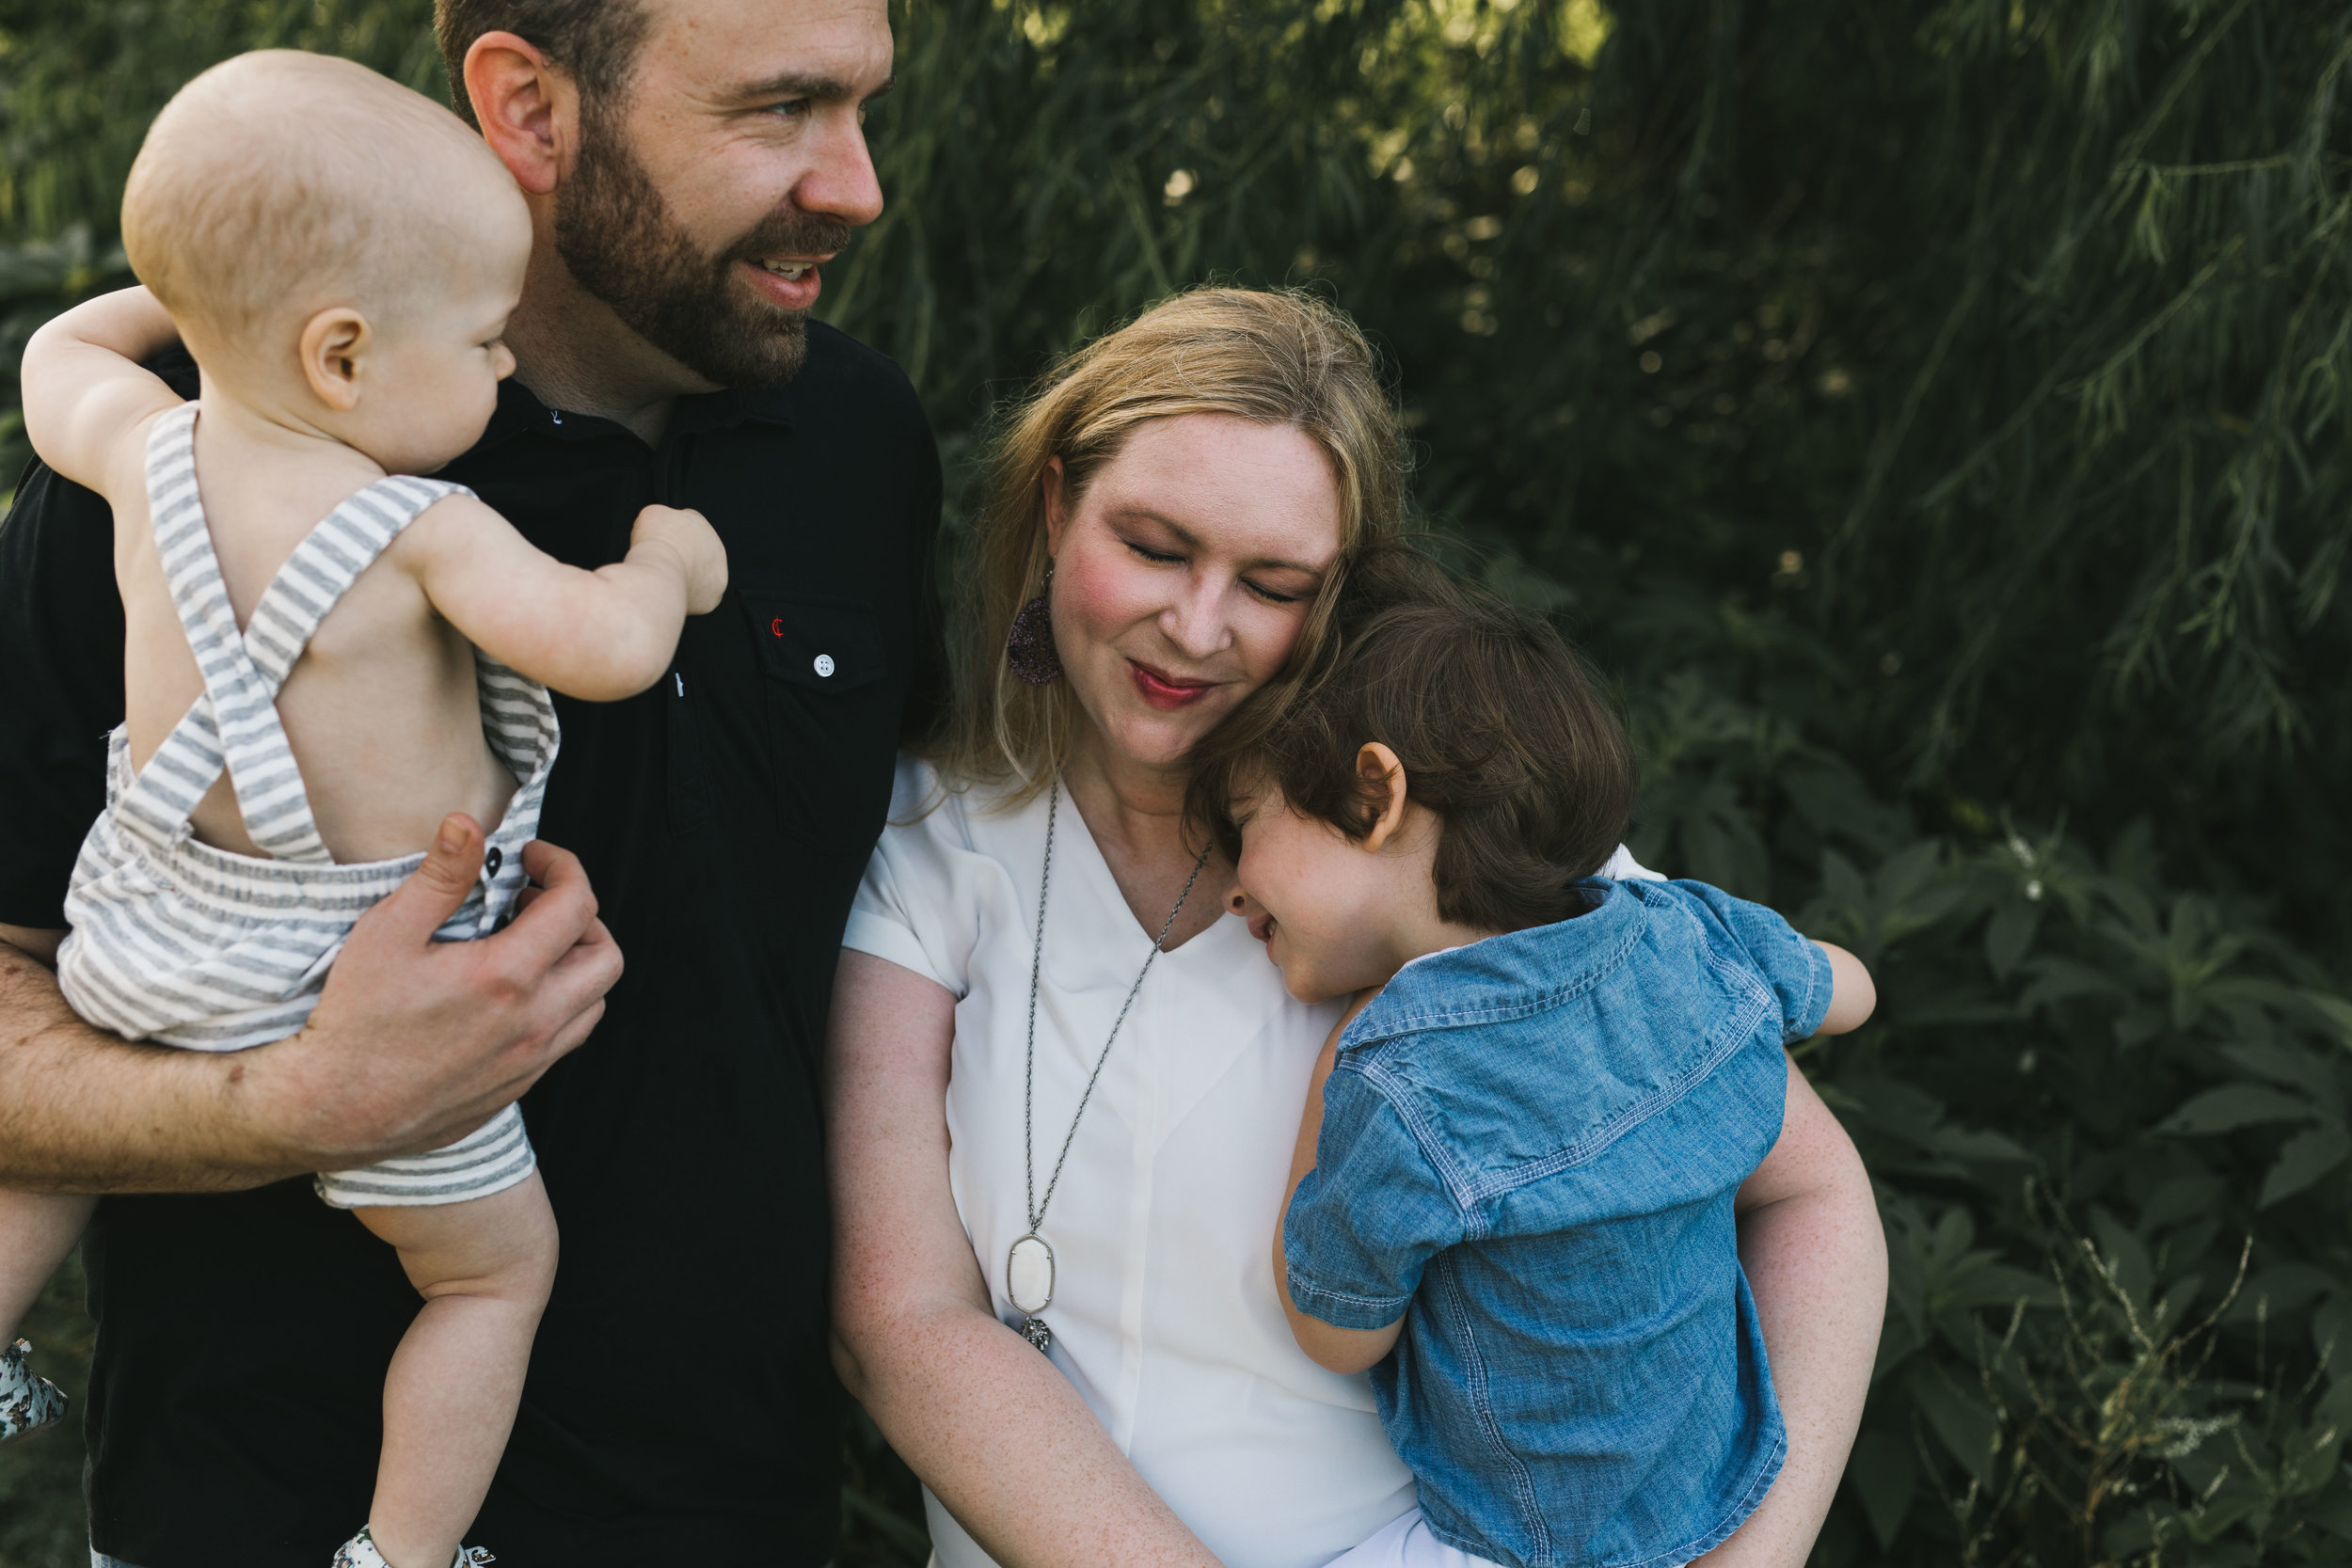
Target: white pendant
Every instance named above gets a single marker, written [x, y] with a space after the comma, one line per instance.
[1030, 1275]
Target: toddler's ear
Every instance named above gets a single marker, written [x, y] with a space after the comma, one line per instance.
[334, 343]
[1384, 783]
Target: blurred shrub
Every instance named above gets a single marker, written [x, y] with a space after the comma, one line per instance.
[1931, 411]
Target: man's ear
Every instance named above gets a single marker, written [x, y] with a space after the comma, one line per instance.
[528, 111]
[334, 348]
[1378, 766]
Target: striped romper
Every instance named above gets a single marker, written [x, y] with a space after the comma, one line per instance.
[184, 944]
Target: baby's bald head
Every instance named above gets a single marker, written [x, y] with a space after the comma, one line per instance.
[280, 182]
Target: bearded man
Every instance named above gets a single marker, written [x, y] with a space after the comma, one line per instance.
[692, 166]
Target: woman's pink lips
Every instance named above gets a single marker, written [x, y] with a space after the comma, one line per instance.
[1162, 691]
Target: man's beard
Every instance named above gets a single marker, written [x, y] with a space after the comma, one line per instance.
[615, 233]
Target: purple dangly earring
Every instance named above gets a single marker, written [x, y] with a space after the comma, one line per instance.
[1030, 648]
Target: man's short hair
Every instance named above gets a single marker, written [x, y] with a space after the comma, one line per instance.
[595, 42]
[1502, 730]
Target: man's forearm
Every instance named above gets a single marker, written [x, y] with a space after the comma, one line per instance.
[414, 1044]
[84, 1111]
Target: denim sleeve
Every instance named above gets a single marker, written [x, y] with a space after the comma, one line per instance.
[1370, 1214]
[1795, 968]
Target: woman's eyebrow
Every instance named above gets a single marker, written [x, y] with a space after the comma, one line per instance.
[1188, 537]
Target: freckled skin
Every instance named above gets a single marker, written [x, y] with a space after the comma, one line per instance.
[1194, 554]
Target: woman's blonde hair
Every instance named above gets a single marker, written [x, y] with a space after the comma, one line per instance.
[1273, 357]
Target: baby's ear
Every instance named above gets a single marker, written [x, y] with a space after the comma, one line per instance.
[1383, 778]
[334, 347]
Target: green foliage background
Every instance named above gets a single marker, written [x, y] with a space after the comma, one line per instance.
[1932, 412]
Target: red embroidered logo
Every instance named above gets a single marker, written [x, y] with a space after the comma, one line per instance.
[775, 627]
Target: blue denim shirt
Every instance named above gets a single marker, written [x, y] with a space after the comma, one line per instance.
[1535, 1142]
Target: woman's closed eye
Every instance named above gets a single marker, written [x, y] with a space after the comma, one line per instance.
[1269, 595]
[1169, 558]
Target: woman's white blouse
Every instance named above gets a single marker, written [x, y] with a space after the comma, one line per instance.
[1164, 1314]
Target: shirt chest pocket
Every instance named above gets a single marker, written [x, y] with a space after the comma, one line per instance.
[832, 717]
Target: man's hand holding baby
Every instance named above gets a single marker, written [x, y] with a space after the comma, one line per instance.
[414, 1043]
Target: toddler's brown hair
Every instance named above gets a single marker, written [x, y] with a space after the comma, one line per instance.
[1501, 727]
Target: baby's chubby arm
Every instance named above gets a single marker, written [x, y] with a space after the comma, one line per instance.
[1338, 1350]
[87, 401]
[599, 636]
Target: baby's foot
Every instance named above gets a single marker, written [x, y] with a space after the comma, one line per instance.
[28, 1402]
[360, 1552]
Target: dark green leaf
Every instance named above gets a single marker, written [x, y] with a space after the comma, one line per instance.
[1958, 1418]
[2236, 1105]
[2304, 1159]
[1884, 1474]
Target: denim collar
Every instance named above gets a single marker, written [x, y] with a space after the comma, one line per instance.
[1514, 976]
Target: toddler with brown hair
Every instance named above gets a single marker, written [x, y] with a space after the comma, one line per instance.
[1516, 1180]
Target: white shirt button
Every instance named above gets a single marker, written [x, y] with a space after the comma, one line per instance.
[824, 664]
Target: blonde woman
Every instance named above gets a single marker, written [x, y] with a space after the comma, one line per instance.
[1063, 1088]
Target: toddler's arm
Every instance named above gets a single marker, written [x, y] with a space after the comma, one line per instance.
[1339, 1349]
[599, 636]
[86, 398]
[1852, 993]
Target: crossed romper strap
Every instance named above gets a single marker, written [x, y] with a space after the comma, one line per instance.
[234, 724]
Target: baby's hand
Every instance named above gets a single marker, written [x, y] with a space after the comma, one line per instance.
[691, 535]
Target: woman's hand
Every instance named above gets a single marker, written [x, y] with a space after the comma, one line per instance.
[989, 1424]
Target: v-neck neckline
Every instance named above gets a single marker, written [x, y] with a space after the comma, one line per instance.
[1105, 886]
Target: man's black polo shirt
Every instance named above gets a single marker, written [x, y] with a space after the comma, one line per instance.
[681, 1408]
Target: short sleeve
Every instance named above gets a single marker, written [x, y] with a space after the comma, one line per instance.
[879, 923]
[1796, 968]
[62, 650]
[927, 693]
[61, 644]
[1367, 1219]
[910, 908]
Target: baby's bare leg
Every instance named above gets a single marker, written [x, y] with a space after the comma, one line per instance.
[484, 1268]
[37, 1230]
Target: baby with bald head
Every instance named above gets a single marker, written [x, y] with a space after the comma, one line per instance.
[325, 654]
[280, 182]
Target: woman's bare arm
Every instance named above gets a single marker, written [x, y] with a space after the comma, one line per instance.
[1816, 1260]
[1339, 1349]
[987, 1422]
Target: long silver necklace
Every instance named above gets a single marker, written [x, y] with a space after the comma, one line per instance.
[1029, 1262]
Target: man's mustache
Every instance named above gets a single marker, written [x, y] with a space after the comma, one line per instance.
[793, 233]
